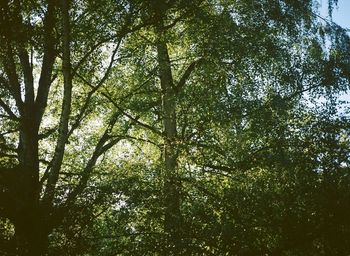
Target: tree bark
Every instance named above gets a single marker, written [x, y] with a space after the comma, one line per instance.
[172, 218]
[30, 227]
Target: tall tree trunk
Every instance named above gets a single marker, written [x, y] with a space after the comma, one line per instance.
[29, 227]
[172, 221]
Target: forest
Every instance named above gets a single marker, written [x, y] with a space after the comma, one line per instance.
[174, 127]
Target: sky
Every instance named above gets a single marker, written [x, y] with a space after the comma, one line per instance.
[341, 16]
[341, 13]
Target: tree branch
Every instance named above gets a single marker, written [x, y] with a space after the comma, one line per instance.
[28, 76]
[14, 85]
[8, 110]
[66, 107]
[133, 119]
[24, 59]
[45, 80]
[179, 86]
[83, 110]
[101, 148]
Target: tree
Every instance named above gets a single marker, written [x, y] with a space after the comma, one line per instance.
[232, 114]
[37, 38]
[172, 128]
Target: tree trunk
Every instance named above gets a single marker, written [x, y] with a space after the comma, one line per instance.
[30, 233]
[172, 220]
[27, 215]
